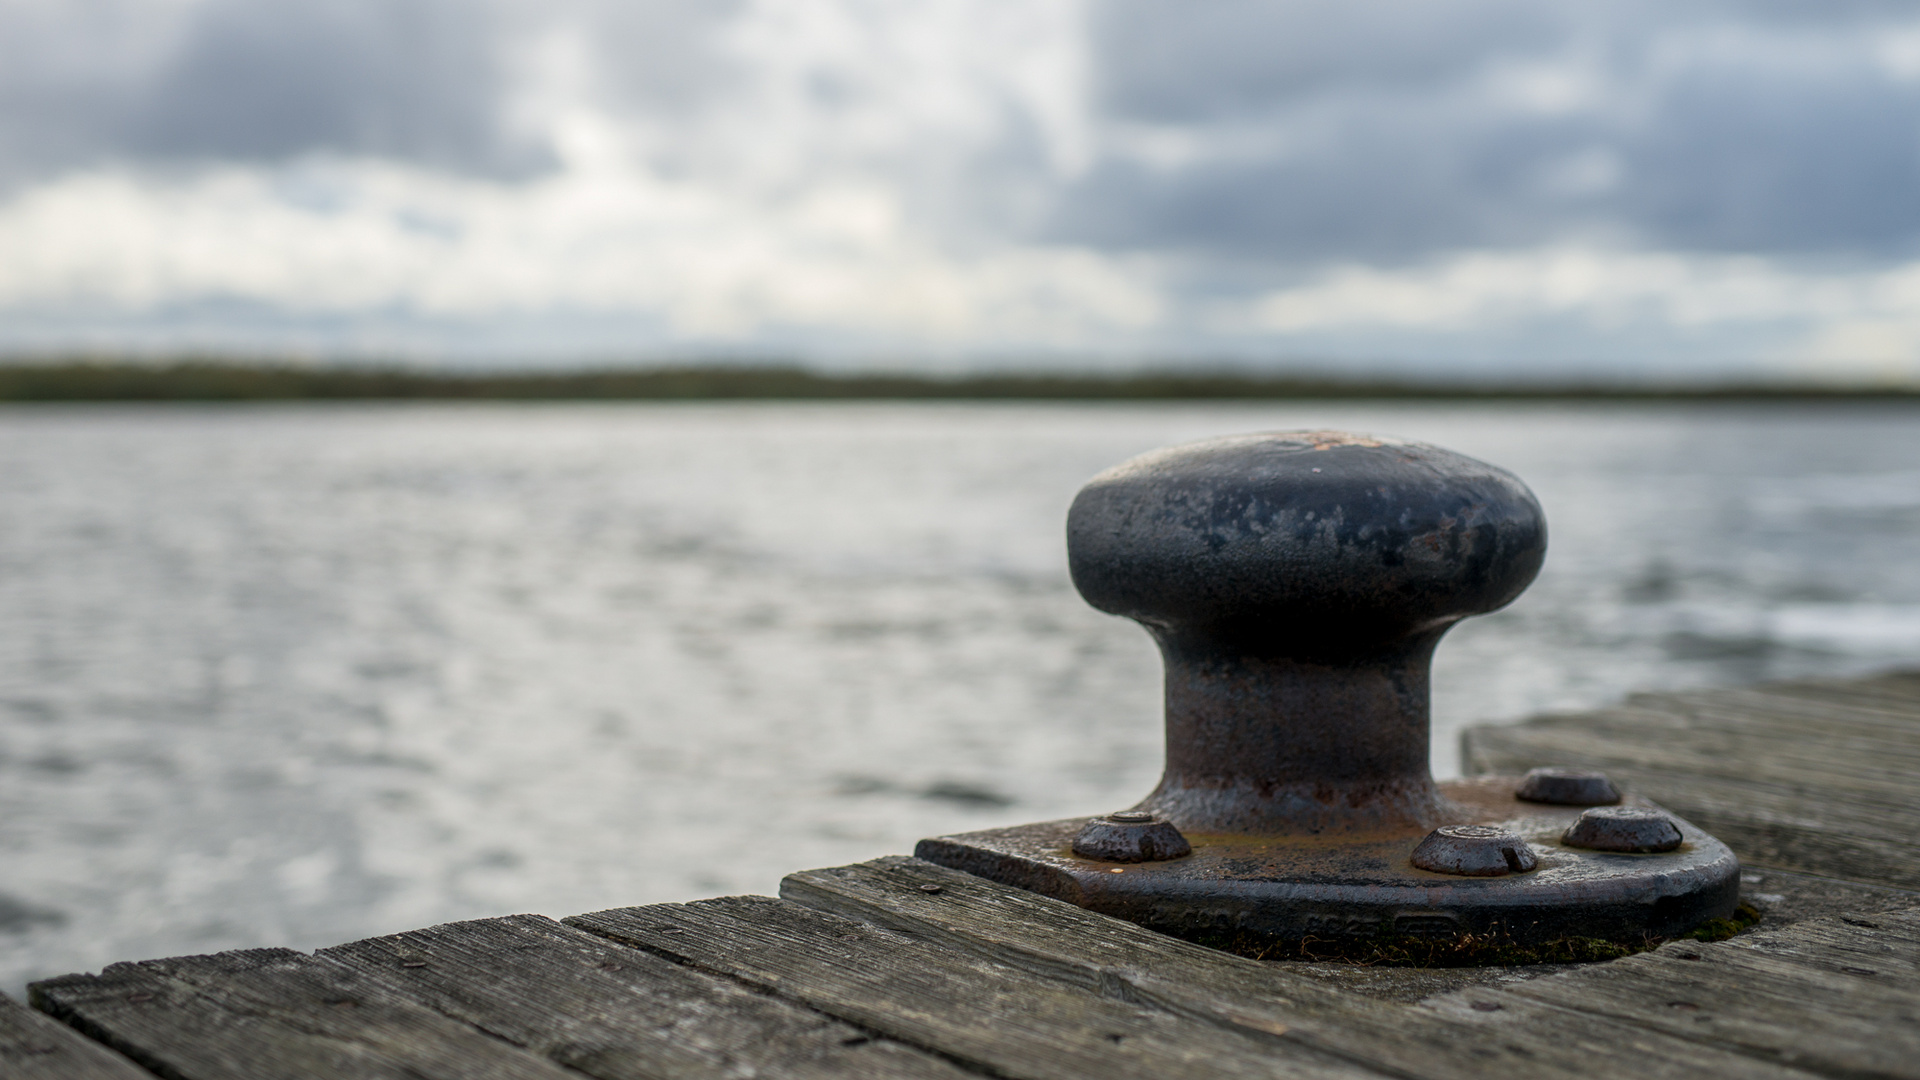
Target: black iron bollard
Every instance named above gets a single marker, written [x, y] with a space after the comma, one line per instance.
[1297, 583]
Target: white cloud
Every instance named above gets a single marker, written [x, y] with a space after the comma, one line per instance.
[601, 236]
[1841, 325]
[841, 263]
[1899, 54]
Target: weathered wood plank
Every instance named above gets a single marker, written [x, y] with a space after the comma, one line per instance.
[1865, 705]
[1772, 783]
[1884, 946]
[619, 1013]
[1797, 739]
[1048, 937]
[1872, 716]
[1812, 713]
[1715, 751]
[1684, 754]
[265, 1014]
[1006, 1020]
[1813, 777]
[1801, 756]
[1843, 1020]
[36, 1047]
[1784, 897]
[1813, 830]
[1897, 691]
[1822, 735]
[1060, 941]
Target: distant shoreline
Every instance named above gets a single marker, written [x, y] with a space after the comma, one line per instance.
[203, 381]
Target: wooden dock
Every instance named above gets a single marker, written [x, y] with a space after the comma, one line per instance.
[901, 968]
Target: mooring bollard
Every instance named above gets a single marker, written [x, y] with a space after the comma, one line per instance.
[1297, 584]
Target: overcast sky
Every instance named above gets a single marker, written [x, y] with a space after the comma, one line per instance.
[1523, 187]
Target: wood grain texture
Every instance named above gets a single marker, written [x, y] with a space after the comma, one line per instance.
[267, 1014]
[1059, 940]
[1814, 807]
[1883, 946]
[1802, 997]
[1110, 956]
[1897, 691]
[37, 1047]
[1809, 777]
[1802, 755]
[618, 1013]
[1784, 897]
[1007, 1020]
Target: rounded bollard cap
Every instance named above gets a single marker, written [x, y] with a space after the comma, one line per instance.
[1313, 536]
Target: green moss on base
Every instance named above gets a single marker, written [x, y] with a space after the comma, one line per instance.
[1467, 950]
[1745, 917]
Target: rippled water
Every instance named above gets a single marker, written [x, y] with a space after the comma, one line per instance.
[292, 676]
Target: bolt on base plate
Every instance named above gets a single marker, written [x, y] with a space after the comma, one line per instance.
[1295, 888]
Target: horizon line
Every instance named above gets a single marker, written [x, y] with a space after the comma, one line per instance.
[190, 378]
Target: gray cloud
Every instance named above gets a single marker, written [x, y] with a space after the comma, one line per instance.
[418, 80]
[430, 82]
[1318, 130]
[1239, 130]
[1743, 158]
[1178, 63]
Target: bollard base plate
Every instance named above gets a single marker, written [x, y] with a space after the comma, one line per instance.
[1298, 888]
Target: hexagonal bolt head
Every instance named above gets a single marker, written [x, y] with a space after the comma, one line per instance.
[1474, 851]
[1131, 836]
[1568, 787]
[1634, 829]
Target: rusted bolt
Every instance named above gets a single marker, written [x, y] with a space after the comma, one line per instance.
[1568, 787]
[1131, 836]
[1297, 583]
[1623, 828]
[1474, 851]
